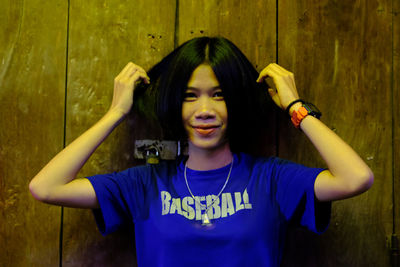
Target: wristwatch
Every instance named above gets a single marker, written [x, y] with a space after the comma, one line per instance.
[304, 111]
[312, 110]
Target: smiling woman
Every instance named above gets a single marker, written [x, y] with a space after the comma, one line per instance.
[233, 73]
[204, 113]
[231, 208]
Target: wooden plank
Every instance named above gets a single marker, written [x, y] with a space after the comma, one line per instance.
[340, 52]
[248, 24]
[104, 36]
[396, 114]
[32, 73]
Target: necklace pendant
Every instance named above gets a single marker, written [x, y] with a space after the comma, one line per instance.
[206, 221]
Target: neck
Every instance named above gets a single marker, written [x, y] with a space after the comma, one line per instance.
[202, 160]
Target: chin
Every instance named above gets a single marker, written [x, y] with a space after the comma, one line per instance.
[210, 145]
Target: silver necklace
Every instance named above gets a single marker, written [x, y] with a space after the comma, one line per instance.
[205, 219]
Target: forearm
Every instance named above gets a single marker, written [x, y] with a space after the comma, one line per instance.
[346, 167]
[64, 167]
[348, 175]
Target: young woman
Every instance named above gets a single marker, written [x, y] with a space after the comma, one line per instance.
[218, 206]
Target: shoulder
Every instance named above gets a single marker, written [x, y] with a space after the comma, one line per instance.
[141, 176]
[276, 167]
[251, 161]
[152, 169]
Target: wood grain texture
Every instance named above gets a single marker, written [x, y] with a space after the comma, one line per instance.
[396, 114]
[32, 72]
[340, 52]
[104, 37]
[250, 25]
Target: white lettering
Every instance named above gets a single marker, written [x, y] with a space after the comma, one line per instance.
[176, 206]
[198, 206]
[217, 207]
[186, 202]
[227, 205]
[215, 211]
[165, 198]
[238, 201]
[247, 204]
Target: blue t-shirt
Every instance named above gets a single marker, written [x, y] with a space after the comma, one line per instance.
[248, 220]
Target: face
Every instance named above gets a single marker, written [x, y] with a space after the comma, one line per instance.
[204, 112]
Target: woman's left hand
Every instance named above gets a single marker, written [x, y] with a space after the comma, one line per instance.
[286, 91]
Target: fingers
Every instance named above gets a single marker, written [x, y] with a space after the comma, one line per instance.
[274, 71]
[132, 72]
[284, 91]
[278, 74]
[140, 75]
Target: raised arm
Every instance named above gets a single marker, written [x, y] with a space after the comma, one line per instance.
[56, 183]
[347, 173]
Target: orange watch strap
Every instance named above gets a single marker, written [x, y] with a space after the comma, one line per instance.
[298, 116]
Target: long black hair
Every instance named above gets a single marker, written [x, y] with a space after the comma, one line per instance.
[246, 100]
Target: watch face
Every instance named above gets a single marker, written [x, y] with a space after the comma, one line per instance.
[312, 110]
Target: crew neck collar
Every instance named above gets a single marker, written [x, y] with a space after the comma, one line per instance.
[219, 172]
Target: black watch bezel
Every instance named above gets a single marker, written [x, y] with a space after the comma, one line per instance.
[312, 110]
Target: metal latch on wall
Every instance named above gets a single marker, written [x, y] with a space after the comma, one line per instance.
[154, 150]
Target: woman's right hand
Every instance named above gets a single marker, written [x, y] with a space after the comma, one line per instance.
[56, 183]
[124, 87]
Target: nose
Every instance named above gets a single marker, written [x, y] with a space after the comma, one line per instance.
[205, 109]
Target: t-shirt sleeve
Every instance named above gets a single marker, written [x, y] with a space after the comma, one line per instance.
[120, 196]
[296, 198]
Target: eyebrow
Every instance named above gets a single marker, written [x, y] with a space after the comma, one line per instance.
[198, 89]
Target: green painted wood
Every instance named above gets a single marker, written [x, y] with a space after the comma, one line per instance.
[340, 52]
[32, 73]
[104, 37]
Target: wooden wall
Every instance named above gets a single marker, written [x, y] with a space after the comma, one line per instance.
[103, 38]
[341, 53]
[396, 113]
[58, 60]
[32, 89]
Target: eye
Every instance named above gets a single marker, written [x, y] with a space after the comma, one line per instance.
[219, 95]
[189, 96]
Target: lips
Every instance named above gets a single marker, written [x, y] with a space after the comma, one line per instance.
[205, 130]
